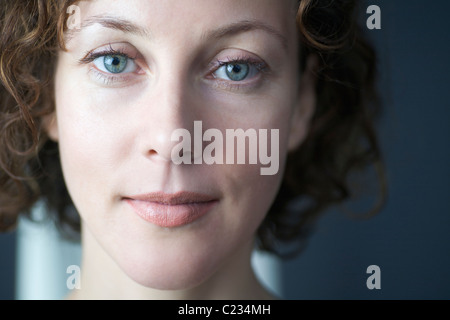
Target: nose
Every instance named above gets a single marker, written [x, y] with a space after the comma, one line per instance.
[170, 105]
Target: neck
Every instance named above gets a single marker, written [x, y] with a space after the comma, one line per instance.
[101, 278]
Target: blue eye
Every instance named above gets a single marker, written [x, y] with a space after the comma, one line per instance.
[236, 71]
[115, 63]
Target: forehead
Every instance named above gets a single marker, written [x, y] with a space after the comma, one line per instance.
[194, 17]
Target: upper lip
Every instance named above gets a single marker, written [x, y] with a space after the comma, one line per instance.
[178, 198]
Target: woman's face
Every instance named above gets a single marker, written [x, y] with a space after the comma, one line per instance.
[138, 70]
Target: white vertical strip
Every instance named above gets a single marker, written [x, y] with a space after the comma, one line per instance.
[268, 270]
[42, 260]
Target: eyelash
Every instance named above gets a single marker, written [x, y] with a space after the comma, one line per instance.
[260, 66]
[109, 79]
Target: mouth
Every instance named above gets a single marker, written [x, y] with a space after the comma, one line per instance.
[171, 210]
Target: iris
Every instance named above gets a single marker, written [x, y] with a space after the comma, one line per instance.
[237, 71]
[115, 63]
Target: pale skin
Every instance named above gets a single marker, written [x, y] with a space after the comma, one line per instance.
[114, 134]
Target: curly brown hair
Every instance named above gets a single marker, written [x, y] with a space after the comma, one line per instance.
[341, 136]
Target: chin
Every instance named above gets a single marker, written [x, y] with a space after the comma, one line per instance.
[170, 280]
[171, 269]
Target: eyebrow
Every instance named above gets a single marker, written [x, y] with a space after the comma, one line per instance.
[246, 26]
[230, 30]
[109, 22]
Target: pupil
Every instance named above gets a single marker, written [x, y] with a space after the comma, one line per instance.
[116, 61]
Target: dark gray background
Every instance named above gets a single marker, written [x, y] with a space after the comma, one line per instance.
[410, 239]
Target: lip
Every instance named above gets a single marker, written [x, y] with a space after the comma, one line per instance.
[171, 210]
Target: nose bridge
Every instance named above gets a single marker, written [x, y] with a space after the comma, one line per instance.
[171, 106]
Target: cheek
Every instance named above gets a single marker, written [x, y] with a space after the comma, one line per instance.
[89, 149]
[250, 191]
[251, 195]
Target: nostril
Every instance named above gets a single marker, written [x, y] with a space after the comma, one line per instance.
[155, 155]
[152, 153]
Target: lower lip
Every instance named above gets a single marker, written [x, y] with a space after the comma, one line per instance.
[170, 216]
